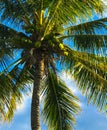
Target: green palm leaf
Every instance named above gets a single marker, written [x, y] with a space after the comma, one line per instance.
[89, 71]
[60, 105]
[89, 27]
[14, 10]
[12, 87]
[10, 39]
[5, 40]
[61, 12]
[89, 36]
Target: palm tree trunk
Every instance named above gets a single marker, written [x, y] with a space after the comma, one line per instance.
[35, 106]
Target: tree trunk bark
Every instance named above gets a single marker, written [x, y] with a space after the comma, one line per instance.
[35, 105]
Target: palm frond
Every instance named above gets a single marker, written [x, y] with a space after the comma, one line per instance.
[89, 36]
[14, 10]
[91, 43]
[11, 39]
[60, 105]
[6, 35]
[13, 85]
[90, 71]
[90, 27]
[61, 11]
[5, 92]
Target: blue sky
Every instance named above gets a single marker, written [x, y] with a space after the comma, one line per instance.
[88, 119]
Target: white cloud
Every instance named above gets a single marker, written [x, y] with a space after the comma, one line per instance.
[22, 106]
[105, 1]
[68, 79]
[105, 12]
[25, 99]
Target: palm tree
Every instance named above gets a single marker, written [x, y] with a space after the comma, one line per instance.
[46, 34]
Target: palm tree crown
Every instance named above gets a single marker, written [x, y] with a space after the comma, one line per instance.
[48, 33]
